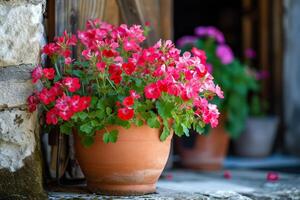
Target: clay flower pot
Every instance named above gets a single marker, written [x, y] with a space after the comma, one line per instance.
[131, 166]
[258, 138]
[204, 152]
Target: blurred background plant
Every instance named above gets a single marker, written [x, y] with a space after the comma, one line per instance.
[234, 76]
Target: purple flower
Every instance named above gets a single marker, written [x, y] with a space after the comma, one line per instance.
[201, 31]
[225, 54]
[216, 34]
[210, 31]
[188, 39]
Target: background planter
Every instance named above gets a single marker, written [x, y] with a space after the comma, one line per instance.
[131, 166]
[204, 152]
[258, 138]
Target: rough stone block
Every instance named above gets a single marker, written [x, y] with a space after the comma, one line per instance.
[20, 159]
[15, 85]
[21, 32]
[14, 93]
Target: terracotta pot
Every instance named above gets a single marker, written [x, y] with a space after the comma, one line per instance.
[204, 152]
[258, 138]
[131, 166]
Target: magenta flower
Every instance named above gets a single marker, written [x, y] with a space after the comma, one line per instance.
[201, 31]
[272, 176]
[225, 54]
[210, 31]
[188, 39]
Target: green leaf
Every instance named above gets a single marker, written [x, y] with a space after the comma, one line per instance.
[78, 73]
[86, 128]
[108, 110]
[177, 129]
[88, 141]
[66, 128]
[165, 133]
[199, 129]
[125, 124]
[139, 122]
[94, 101]
[82, 115]
[111, 136]
[153, 122]
[100, 105]
[164, 108]
[185, 129]
[166, 130]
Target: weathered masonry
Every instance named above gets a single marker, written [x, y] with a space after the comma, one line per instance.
[21, 36]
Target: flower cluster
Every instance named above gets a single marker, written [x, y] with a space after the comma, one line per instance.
[232, 75]
[116, 81]
[223, 51]
[59, 105]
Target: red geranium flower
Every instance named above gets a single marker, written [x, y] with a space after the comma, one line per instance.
[63, 105]
[101, 66]
[128, 101]
[128, 68]
[32, 101]
[84, 103]
[51, 116]
[108, 53]
[49, 73]
[71, 83]
[50, 49]
[47, 96]
[152, 91]
[115, 73]
[125, 113]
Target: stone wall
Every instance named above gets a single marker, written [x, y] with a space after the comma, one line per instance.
[21, 34]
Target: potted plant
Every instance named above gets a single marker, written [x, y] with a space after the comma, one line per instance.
[122, 102]
[208, 152]
[258, 138]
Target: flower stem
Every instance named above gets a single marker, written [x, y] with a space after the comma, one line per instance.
[57, 70]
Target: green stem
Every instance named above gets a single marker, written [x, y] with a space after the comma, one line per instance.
[112, 85]
[57, 71]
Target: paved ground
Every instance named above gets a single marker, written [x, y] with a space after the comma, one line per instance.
[239, 185]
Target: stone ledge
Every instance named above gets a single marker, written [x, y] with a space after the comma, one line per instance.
[180, 184]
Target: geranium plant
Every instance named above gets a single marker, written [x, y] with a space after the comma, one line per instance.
[258, 105]
[115, 81]
[229, 72]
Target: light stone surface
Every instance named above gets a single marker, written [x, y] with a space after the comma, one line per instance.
[193, 185]
[14, 93]
[21, 32]
[17, 138]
